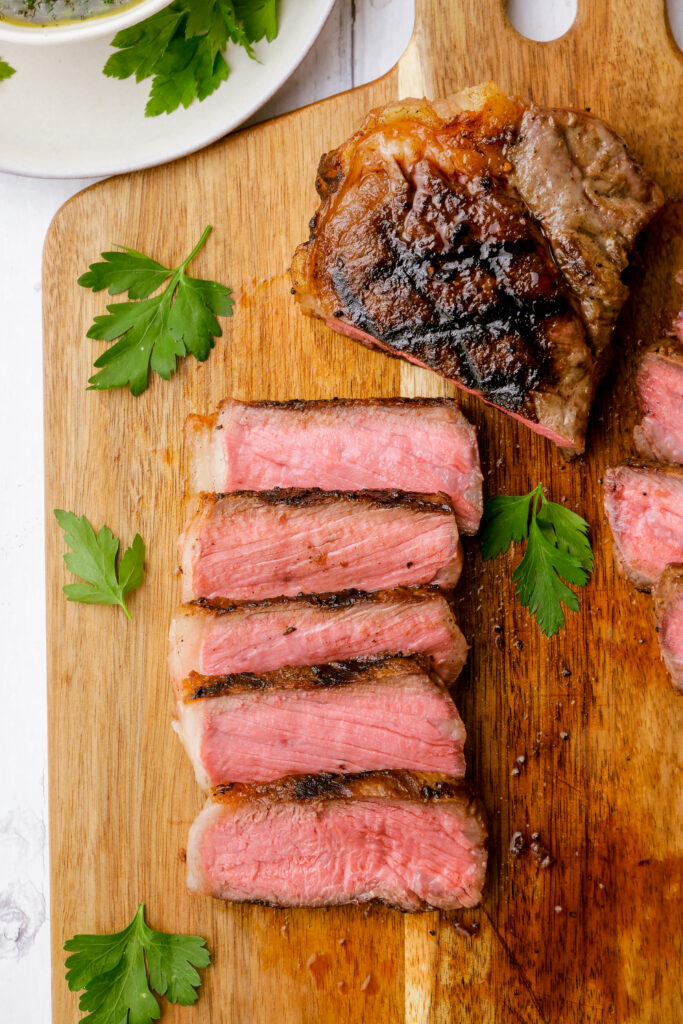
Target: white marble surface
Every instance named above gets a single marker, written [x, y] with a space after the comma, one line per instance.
[362, 39]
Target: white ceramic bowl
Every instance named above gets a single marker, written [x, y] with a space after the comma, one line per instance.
[60, 117]
[89, 28]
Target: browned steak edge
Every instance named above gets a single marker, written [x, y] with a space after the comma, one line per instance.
[427, 787]
[309, 497]
[343, 599]
[313, 677]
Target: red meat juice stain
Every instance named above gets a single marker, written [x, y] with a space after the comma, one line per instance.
[318, 964]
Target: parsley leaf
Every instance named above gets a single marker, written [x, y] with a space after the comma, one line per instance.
[511, 516]
[113, 969]
[152, 331]
[259, 18]
[6, 70]
[558, 552]
[93, 558]
[181, 48]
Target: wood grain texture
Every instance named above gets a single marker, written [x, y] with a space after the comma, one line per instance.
[595, 938]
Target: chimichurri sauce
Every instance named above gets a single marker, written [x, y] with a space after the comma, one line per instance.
[50, 12]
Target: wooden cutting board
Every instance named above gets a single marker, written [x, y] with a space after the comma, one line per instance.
[596, 938]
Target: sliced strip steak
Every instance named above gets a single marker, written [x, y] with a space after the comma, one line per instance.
[224, 638]
[668, 601]
[254, 545]
[644, 506]
[423, 445]
[346, 717]
[411, 840]
[659, 383]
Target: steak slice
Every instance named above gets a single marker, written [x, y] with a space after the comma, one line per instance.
[668, 601]
[659, 384]
[656, 336]
[350, 716]
[485, 240]
[254, 545]
[421, 445]
[224, 638]
[644, 506]
[412, 840]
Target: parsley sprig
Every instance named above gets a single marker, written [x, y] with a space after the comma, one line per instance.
[6, 70]
[119, 972]
[93, 558]
[558, 552]
[181, 47]
[153, 331]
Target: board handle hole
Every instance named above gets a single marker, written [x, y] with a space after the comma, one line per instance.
[675, 13]
[542, 20]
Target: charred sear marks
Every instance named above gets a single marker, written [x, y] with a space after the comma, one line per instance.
[445, 268]
[463, 282]
[295, 497]
[334, 674]
[344, 599]
[425, 787]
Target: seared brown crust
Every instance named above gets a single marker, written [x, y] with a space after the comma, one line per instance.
[598, 201]
[659, 467]
[426, 787]
[297, 497]
[670, 581]
[344, 599]
[339, 673]
[302, 405]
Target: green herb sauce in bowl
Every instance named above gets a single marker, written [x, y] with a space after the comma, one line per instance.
[52, 12]
[39, 22]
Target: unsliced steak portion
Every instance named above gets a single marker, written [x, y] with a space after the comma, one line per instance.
[224, 638]
[659, 383]
[422, 445]
[644, 506]
[414, 841]
[253, 545]
[484, 239]
[668, 600]
[346, 717]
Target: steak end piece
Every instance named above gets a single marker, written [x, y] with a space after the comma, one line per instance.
[593, 199]
[225, 638]
[421, 445]
[644, 506]
[373, 713]
[485, 240]
[256, 545]
[414, 841]
[668, 604]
